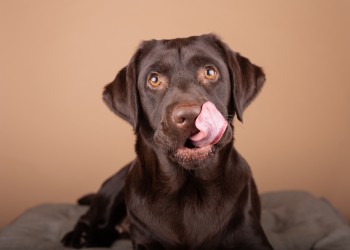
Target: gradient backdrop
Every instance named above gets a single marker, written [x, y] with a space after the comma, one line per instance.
[58, 140]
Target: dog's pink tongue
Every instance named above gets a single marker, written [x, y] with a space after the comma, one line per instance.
[211, 125]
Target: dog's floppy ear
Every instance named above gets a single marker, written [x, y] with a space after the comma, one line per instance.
[121, 95]
[247, 79]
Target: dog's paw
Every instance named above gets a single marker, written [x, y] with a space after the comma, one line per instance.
[76, 238]
[84, 236]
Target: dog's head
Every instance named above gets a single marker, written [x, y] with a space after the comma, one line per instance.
[161, 93]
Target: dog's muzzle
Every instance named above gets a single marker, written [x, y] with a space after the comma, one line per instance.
[203, 125]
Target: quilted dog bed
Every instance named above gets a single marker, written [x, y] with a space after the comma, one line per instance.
[293, 220]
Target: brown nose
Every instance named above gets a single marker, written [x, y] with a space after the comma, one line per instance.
[184, 117]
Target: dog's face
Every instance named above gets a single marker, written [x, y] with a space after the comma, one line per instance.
[162, 90]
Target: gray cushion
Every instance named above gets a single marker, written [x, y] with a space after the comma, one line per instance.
[292, 220]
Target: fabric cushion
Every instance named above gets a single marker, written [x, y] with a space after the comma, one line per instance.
[293, 220]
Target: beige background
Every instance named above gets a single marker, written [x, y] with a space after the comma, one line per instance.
[58, 140]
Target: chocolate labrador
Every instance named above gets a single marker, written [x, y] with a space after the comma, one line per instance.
[188, 187]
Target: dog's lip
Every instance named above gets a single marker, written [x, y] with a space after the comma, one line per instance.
[186, 154]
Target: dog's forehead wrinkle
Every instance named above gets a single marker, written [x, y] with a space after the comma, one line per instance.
[159, 59]
[178, 55]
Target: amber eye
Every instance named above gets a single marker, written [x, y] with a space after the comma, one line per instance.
[210, 73]
[154, 79]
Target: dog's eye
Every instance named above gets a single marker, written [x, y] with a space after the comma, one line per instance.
[154, 79]
[210, 73]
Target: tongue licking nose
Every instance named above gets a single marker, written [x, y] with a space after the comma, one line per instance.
[211, 125]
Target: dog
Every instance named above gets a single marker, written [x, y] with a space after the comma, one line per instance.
[188, 187]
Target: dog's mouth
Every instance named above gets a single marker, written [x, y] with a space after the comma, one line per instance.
[208, 129]
[189, 154]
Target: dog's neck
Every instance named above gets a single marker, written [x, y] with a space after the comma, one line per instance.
[169, 177]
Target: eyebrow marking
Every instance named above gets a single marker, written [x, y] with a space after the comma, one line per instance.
[201, 60]
[159, 67]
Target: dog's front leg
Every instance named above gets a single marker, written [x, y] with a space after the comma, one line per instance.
[96, 228]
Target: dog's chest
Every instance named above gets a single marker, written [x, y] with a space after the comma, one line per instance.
[206, 219]
[200, 226]
[191, 218]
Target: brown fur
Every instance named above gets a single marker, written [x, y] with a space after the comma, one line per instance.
[207, 202]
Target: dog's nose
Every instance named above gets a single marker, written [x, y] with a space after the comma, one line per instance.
[185, 116]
